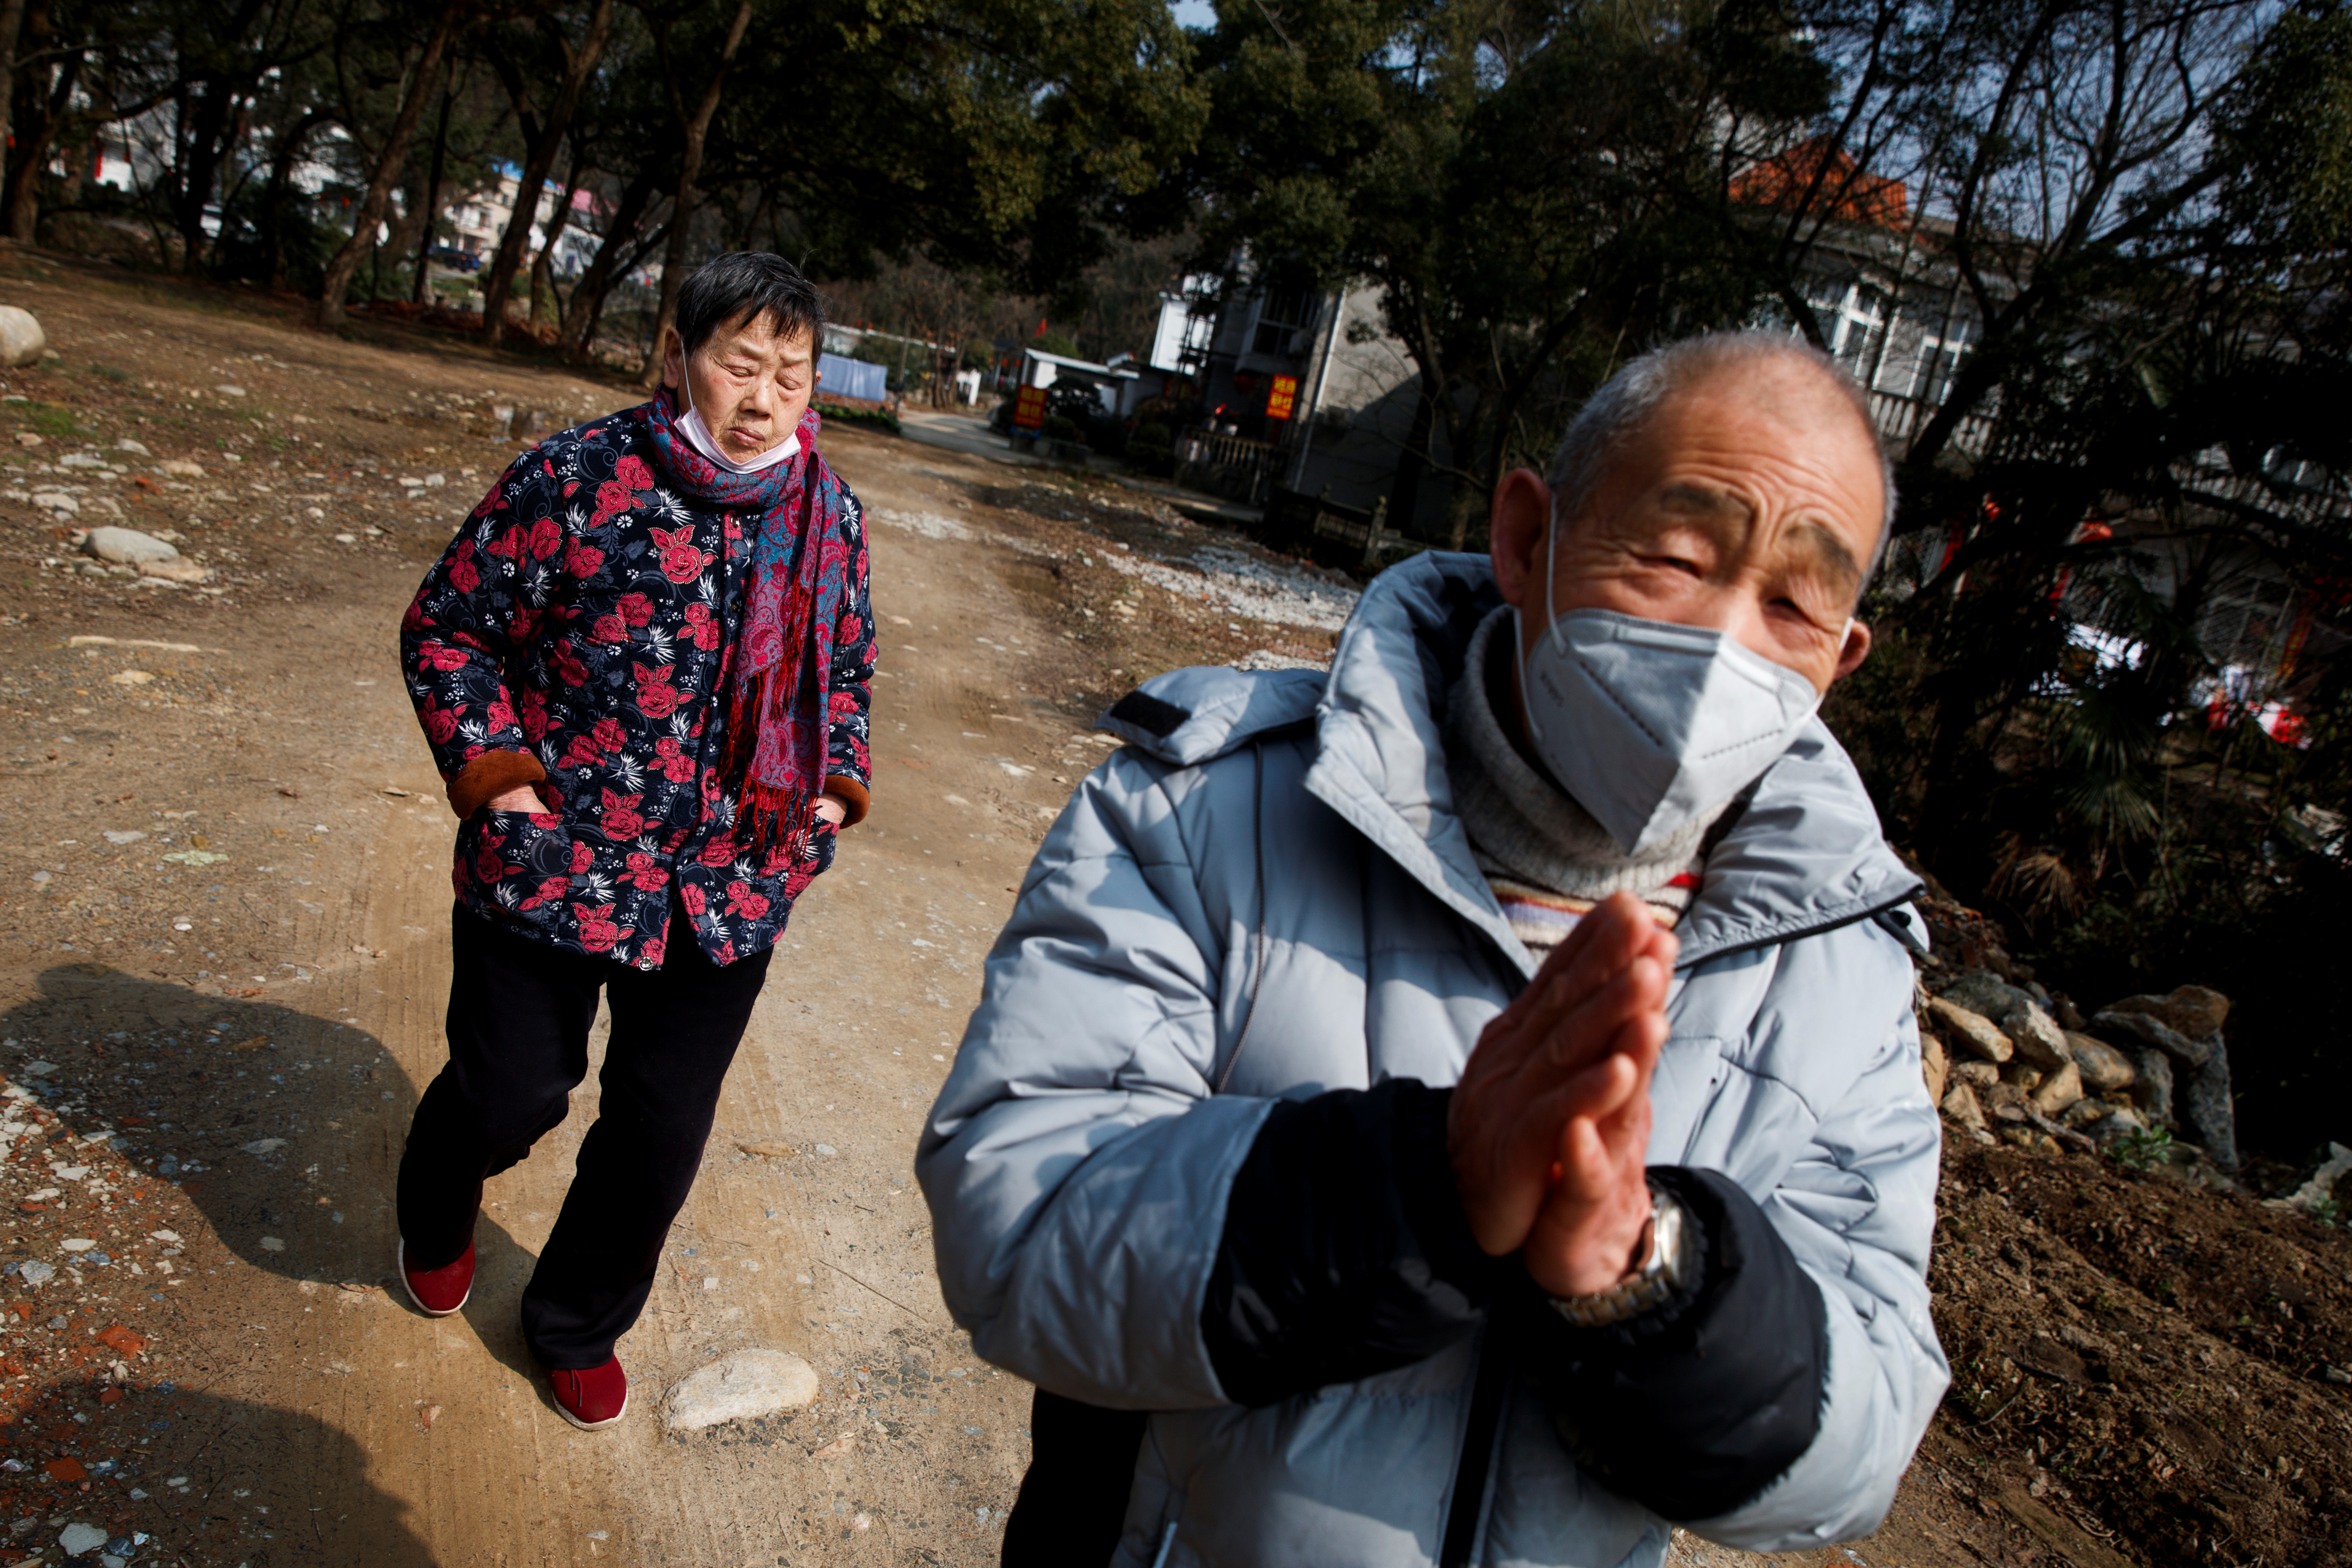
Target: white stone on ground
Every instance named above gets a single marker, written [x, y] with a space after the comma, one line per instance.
[127, 545]
[78, 1538]
[21, 338]
[737, 1387]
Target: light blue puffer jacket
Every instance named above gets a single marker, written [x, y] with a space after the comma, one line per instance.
[1285, 863]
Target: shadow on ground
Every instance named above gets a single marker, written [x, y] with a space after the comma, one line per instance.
[107, 1458]
[285, 1130]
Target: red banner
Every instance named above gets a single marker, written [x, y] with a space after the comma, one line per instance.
[1282, 397]
[1029, 409]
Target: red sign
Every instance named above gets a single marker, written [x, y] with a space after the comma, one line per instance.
[1283, 398]
[1029, 409]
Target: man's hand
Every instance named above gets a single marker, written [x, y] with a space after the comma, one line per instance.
[1550, 1124]
[833, 808]
[521, 797]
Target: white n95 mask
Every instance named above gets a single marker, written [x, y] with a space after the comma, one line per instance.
[1651, 726]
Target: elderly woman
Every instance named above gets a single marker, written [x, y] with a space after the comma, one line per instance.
[643, 668]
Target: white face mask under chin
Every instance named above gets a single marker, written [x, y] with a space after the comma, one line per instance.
[699, 436]
[1648, 725]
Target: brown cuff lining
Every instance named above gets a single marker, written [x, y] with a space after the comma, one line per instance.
[854, 792]
[489, 776]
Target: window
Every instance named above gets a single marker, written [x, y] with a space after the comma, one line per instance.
[1932, 371]
[1282, 316]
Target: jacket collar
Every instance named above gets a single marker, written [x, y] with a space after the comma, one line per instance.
[1805, 854]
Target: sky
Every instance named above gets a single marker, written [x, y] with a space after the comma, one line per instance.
[1194, 13]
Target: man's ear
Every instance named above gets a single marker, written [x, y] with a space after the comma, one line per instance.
[1856, 649]
[673, 359]
[1517, 523]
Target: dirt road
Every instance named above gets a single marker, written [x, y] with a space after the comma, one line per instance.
[224, 897]
[223, 950]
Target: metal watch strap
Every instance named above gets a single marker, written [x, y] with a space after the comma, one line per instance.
[1668, 1268]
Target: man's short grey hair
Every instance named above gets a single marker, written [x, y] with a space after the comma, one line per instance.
[1627, 400]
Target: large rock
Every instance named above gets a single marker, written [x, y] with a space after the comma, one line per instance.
[126, 546]
[2151, 1031]
[738, 1388]
[2105, 1069]
[22, 341]
[2207, 1112]
[1971, 1030]
[2059, 1090]
[1982, 992]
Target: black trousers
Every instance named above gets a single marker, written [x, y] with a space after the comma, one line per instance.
[519, 1016]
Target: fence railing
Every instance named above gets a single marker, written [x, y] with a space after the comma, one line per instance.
[1235, 467]
[1900, 418]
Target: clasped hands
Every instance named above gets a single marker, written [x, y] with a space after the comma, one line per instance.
[1549, 1128]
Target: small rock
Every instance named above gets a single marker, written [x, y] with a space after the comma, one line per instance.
[126, 546]
[2061, 1089]
[121, 836]
[2023, 1076]
[2083, 1112]
[1970, 1029]
[2149, 1029]
[22, 341]
[77, 1538]
[2037, 1037]
[129, 678]
[2117, 1122]
[1979, 1074]
[2196, 1010]
[2337, 1375]
[1934, 1067]
[737, 1387]
[136, 448]
[2321, 1187]
[273, 1244]
[38, 1273]
[181, 468]
[228, 390]
[1960, 1107]
[56, 501]
[2105, 1069]
[1983, 992]
[174, 572]
[27, 438]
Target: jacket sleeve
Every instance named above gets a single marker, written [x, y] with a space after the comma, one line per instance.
[1076, 1163]
[1345, 1252]
[471, 613]
[1857, 1212]
[849, 766]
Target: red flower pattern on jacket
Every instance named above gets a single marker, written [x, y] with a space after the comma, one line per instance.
[605, 668]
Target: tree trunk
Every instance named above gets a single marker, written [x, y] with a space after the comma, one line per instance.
[433, 190]
[697, 131]
[387, 167]
[32, 148]
[543, 268]
[587, 301]
[12, 22]
[543, 149]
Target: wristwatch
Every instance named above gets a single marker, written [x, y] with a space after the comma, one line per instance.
[1672, 1264]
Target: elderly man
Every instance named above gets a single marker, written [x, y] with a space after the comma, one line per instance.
[1466, 1108]
[643, 668]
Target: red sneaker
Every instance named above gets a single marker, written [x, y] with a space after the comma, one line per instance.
[437, 1293]
[594, 1399]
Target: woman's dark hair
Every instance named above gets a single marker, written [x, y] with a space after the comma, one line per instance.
[748, 282]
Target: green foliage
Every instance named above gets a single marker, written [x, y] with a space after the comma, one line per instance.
[51, 420]
[1054, 343]
[881, 419]
[2142, 1149]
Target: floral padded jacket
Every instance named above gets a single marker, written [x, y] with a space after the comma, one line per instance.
[578, 630]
